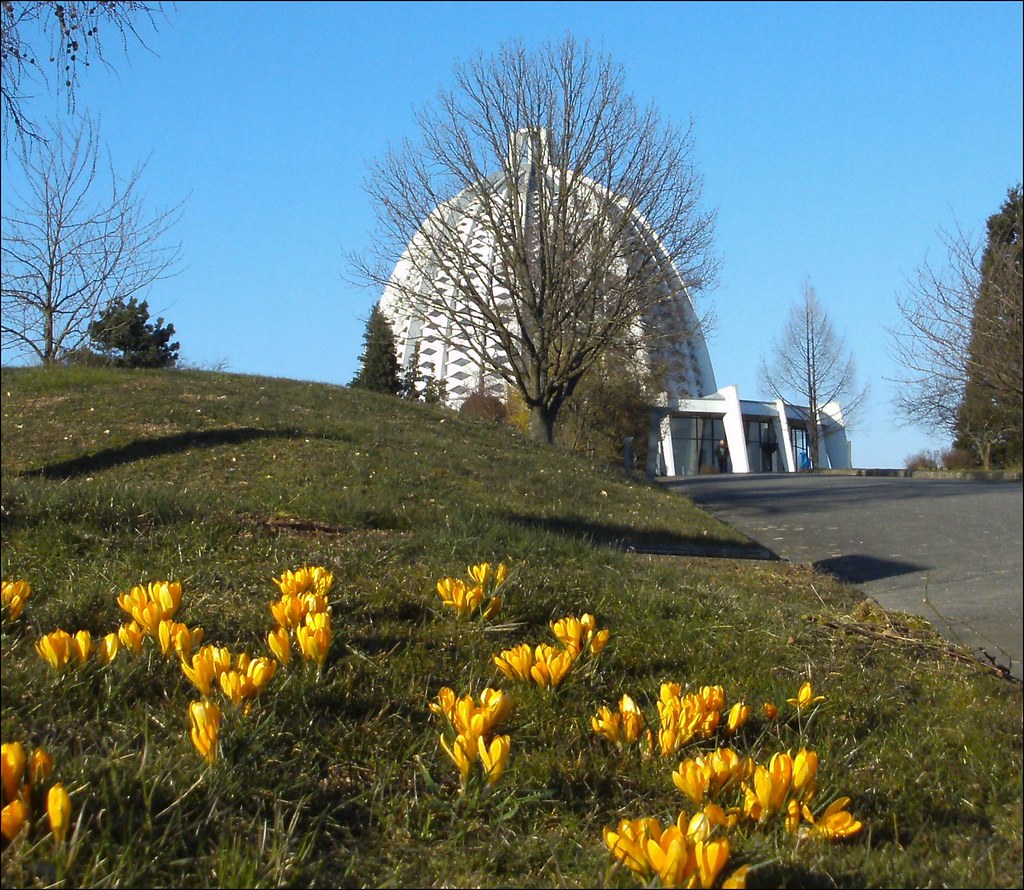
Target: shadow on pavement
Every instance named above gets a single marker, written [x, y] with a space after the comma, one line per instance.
[858, 568]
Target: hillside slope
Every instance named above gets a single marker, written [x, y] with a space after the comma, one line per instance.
[334, 776]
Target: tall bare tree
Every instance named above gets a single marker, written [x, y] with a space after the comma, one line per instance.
[810, 365]
[961, 332]
[51, 41]
[530, 209]
[72, 242]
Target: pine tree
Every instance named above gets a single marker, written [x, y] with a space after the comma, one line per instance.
[989, 418]
[124, 336]
[378, 365]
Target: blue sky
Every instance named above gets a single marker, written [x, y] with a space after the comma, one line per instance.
[835, 141]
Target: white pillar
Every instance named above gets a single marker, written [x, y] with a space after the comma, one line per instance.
[733, 423]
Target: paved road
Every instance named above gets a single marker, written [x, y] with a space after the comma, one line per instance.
[948, 550]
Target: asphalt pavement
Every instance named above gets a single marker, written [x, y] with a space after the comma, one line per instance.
[947, 550]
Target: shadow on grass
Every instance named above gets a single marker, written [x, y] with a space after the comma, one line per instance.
[660, 542]
[141, 449]
[858, 568]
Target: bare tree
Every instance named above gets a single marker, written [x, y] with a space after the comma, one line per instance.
[933, 343]
[810, 365]
[529, 212]
[52, 41]
[72, 244]
[961, 335]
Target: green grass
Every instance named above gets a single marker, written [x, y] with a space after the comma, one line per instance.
[222, 482]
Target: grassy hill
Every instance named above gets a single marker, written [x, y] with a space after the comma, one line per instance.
[333, 775]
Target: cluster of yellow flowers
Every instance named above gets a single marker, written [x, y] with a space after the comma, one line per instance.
[731, 789]
[548, 665]
[683, 854]
[785, 785]
[12, 597]
[480, 596]
[302, 611]
[152, 609]
[24, 781]
[473, 725]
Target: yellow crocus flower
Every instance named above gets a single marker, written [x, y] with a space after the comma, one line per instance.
[771, 785]
[81, 646]
[201, 670]
[462, 753]
[632, 719]
[261, 671]
[496, 706]
[149, 615]
[205, 720]
[628, 843]
[805, 766]
[12, 763]
[131, 636]
[56, 648]
[314, 637]
[569, 632]
[551, 665]
[445, 704]
[711, 857]
[516, 663]
[13, 819]
[14, 595]
[40, 766]
[166, 631]
[493, 756]
[699, 826]
[237, 686]
[737, 880]
[690, 778]
[136, 598]
[792, 815]
[316, 579]
[315, 602]
[739, 713]
[58, 808]
[671, 857]
[805, 697]
[221, 656]
[107, 648]
[280, 644]
[835, 823]
[598, 641]
[480, 573]
[167, 594]
[607, 723]
[289, 611]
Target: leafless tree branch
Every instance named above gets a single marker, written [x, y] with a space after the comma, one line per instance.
[72, 243]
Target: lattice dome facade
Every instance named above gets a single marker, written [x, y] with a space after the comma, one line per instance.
[443, 337]
[440, 334]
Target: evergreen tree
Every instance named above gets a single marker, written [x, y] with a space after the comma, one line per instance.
[990, 416]
[378, 365]
[124, 336]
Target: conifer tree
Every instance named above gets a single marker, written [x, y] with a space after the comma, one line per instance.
[378, 365]
[989, 417]
[124, 336]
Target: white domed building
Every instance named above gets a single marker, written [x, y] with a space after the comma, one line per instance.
[450, 342]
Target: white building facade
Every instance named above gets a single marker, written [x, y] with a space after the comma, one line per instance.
[434, 330]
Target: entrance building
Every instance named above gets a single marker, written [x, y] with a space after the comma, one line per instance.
[761, 437]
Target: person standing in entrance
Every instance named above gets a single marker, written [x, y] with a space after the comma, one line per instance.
[722, 456]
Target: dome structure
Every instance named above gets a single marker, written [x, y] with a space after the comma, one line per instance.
[442, 336]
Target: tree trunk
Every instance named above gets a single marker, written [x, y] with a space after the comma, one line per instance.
[542, 425]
